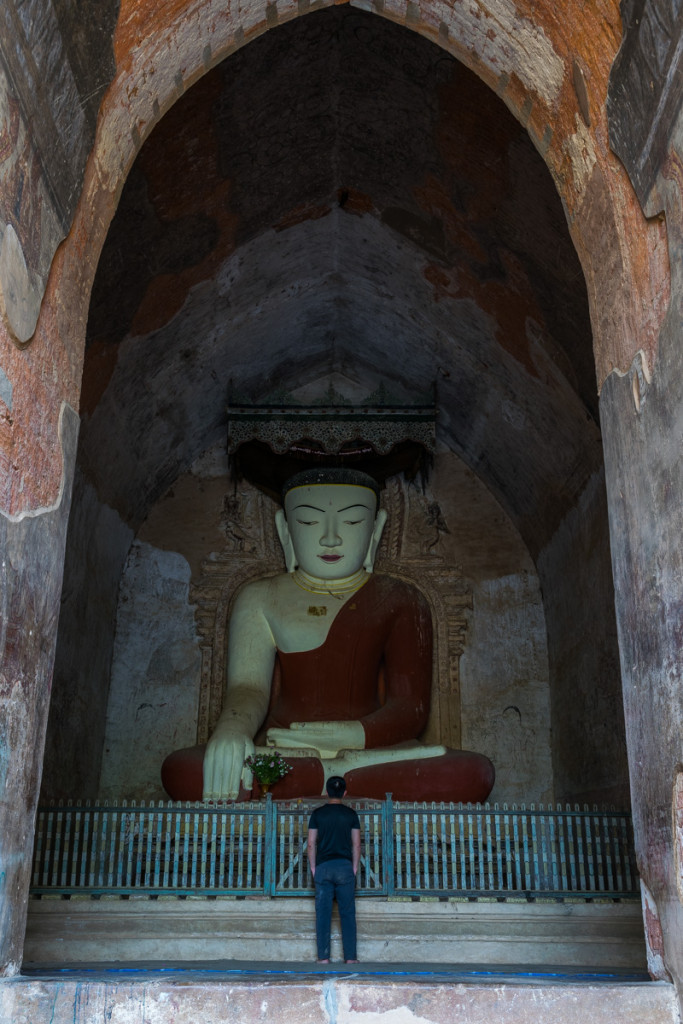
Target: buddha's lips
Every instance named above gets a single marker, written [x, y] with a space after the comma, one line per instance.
[331, 558]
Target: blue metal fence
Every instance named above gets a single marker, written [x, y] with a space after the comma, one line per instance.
[406, 849]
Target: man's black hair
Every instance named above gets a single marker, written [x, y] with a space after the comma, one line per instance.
[336, 787]
[331, 475]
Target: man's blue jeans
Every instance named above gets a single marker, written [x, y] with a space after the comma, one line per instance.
[335, 878]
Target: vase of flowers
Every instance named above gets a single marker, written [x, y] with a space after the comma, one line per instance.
[267, 769]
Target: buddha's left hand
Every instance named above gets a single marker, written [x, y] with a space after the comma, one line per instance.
[326, 739]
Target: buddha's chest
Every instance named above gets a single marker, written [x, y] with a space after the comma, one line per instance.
[301, 621]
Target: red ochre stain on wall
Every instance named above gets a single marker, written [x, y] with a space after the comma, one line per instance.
[98, 367]
[508, 302]
[186, 139]
[653, 930]
[467, 198]
[352, 200]
[470, 136]
[180, 165]
[138, 19]
[307, 211]
[434, 197]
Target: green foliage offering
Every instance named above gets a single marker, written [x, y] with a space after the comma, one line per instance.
[268, 768]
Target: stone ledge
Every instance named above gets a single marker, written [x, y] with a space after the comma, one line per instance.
[574, 934]
[181, 999]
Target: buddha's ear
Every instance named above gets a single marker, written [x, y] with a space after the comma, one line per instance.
[380, 520]
[285, 540]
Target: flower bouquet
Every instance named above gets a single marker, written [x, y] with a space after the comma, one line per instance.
[267, 768]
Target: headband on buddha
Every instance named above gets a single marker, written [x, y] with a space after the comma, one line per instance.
[331, 475]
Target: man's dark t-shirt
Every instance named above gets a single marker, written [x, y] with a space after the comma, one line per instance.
[334, 823]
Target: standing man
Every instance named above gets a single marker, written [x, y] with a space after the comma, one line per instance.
[334, 856]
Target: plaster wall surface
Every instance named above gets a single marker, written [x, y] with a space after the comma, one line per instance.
[97, 545]
[505, 688]
[154, 675]
[184, 999]
[589, 743]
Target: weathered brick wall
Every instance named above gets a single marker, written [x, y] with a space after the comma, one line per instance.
[643, 429]
[642, 415]
[51, 81]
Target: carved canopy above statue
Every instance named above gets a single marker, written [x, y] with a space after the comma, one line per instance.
[270, 441]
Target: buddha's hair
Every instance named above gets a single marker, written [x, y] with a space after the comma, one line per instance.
[336, 787]
[331, 475]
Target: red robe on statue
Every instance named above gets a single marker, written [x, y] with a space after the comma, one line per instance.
[375, 667]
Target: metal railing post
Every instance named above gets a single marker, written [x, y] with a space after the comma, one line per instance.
[389, 879]
[270, 847]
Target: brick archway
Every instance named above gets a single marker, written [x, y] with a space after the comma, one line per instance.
[532, 67]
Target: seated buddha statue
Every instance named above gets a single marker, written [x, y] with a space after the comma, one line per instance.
[331, 664]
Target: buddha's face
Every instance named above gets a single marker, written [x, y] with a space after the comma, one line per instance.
[331, 528]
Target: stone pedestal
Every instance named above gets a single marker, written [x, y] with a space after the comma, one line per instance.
[595, 936]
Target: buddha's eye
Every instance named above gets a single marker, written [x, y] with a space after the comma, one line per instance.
[353, 522]
[308, 522]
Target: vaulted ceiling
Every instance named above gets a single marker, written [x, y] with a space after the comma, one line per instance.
[341, 198]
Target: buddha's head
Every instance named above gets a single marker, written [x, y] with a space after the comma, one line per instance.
[331, 524]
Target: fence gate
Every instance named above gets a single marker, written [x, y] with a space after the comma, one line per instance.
[289, 874]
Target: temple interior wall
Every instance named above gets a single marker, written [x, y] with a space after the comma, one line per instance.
[589, 743]
[97, 545]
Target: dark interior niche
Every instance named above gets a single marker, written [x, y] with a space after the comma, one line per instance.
[342, 197]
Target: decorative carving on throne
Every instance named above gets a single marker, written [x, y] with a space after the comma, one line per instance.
[409, 551]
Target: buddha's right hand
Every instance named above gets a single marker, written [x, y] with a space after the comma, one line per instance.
[224, 764]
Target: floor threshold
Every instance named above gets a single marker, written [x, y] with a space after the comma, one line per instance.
[235, 969]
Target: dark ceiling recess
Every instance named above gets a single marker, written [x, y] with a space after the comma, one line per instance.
[344, 108]
[342, 196]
